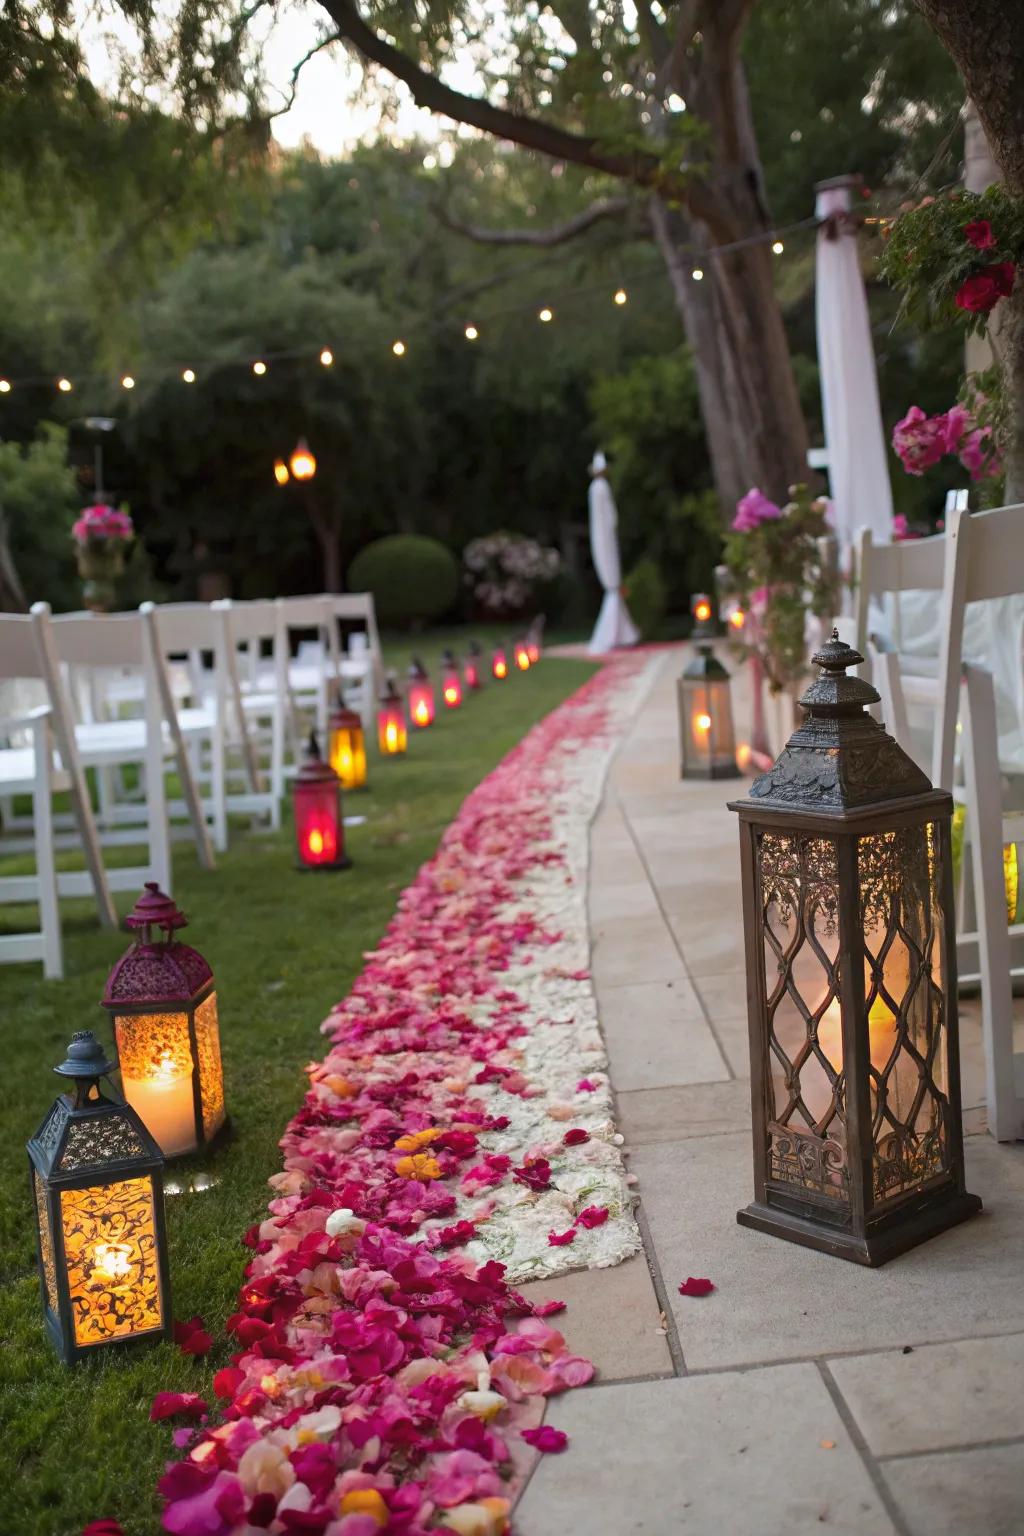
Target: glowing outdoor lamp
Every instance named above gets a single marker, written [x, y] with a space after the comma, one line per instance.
[851, 985]
[319, 825]
[392, 735]
[499, 664]
[471, 668]
[281, 474]
[522, 655]
[702, 609]
[451, 682]
[164, 1007]
[533, 647]
[705, 718]
[346, 746]
[420, 695]
[302, 462]
[97, 1184]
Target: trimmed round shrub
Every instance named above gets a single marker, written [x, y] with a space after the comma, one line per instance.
[413, 579]
[645, 597]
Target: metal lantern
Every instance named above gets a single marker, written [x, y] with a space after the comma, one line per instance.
[392, 734]
[471, 670]
[499, 664]
[533, 648]
[346, 746]
[851, 985]
[451, 681]
[420, 695]
[705, 718]
[319, 825]
[97, 1184]
[164, 1007]
[702, 611]
[522, 654]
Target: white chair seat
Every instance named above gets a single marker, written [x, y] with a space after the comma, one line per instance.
[118, 741]
[18, 772]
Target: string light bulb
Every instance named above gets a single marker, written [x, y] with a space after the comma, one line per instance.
[302, 462]
[188, 376]
[698, 274]
[5, 386]
[471, 333]
[545, 315]
[127, 382]
[281, 474]
[65, 386]
[778, 247]
[621, 296]
[327, 357]
[259, 367]
[398, 348]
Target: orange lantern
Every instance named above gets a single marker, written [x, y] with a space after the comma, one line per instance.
[346, 746]
[420, 695]
[392, 735]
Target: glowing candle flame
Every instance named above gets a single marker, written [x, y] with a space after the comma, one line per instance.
[316, 841]
[703, 722]
[391, 736]
[113, 1264]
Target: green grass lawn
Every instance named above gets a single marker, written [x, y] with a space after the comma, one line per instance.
[76, 1442]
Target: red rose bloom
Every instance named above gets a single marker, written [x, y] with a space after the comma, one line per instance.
[983, 291]
[979, 234]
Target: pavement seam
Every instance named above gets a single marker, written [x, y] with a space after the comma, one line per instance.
[860, 1445]
[675, 1347]
[951, 1450]
[854, 1353]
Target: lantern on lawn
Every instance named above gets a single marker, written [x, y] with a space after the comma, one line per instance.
[851, 985]
[97, 1183]
[522, 655]
[471, 672]
[702, 611]
[163, 1004]
[533, 647]
[499, 664]
[319, 825]
[420, 695]
[705, 718]
[346, 746]
[392, 736]
[451, 682]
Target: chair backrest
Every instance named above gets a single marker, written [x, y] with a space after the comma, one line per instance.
[248, 626]
[100, 640]
[19, 648]
[911, 565]
[304, 612]
[357, 607]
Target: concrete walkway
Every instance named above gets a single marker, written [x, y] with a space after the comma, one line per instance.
[803, 1393]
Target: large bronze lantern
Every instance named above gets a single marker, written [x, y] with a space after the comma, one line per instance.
[851, 985]
[97, 1182]
[706, 737]
[163, 1002]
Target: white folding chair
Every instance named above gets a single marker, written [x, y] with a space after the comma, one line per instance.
[257, 700]
[82, 651]
[306, 679]
[359, 672]
[30, 770]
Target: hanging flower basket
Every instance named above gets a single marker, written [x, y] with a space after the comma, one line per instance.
[102, 535]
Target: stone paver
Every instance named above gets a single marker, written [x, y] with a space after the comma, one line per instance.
[723, 1426]
[730, 1455]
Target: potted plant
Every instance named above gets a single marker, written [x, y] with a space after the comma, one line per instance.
[102, 535]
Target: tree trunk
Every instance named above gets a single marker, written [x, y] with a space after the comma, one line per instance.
[330, 545]
[1011, 347]
[12, 593]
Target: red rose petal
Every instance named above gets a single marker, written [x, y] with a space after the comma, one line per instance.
[695, 1287]
[545, 1438]
[169, 1405]
[575, 1138]
[562, 1239]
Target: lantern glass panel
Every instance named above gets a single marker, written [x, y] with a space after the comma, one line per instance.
[211, 1073]
[347, 755]
[110, 1248]
[155, 1053]
[705, 723]
[318, 831]
[421, 704]
[900, 877]
[392, 735]
[45, 1242]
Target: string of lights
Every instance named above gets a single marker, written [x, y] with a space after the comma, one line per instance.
[260, 365]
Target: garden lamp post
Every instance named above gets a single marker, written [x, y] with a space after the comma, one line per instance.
[851, 985]
[97, 1184]
[163, 1005]
[346, 746]
[392, 733]
[319, 824]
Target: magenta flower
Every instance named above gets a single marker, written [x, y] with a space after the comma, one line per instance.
[102, 522]
[753, 510]
[919, 440]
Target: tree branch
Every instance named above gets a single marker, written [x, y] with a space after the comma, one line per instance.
[558, 234]
[325, 42]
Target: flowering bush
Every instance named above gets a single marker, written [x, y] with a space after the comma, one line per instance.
[776, 565]
[504, 570]
[101, 523]
[921, 441]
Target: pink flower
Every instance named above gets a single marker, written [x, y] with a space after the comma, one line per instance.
[900, 527]
[593, 1216]
[752, 510]
[979, 234]
[919, 440]
[956, 422]
[169, 1405]
[979, 455]
[692, 1287]
[546, 1439]
[562, 1239]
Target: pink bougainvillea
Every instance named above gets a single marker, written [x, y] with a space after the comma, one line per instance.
[920, 441]
[753, 509]
[102, 522]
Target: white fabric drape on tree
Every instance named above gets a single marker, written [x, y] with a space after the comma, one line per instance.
[854, 437]
[614, 626]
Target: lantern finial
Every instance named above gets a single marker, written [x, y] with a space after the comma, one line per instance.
[85, 1058]
[154, 909]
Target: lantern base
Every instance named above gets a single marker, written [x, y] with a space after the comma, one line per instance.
[876, 1247]
[201, 1148]
[712, 771]
[312, 869]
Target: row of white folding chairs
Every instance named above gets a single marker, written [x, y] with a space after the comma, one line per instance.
[978, 561]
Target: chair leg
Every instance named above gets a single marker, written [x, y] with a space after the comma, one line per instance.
[42, 809]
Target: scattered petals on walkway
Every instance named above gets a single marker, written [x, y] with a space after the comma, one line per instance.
[387, 1374]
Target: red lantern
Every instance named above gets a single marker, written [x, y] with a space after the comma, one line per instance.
[319, 827]
[522, 656]
[471, 670]
[499, 664]
[451, 682]
[392, 735]
[420, 695]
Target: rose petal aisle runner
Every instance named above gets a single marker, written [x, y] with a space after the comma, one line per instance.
[456, 1139]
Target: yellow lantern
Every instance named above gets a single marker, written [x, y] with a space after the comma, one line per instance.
[346, 750]
[164, 1006]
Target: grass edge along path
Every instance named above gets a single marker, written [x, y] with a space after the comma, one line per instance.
[284, 947]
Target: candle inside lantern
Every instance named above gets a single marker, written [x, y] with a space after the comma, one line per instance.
[702, 722]
[346, 751]
[391, 728]
[421, 696]
[499, 665]
[522, 656]
[163, 1098]
[112, 1264]
[451, 683]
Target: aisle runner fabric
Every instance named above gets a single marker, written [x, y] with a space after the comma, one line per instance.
[456, 1139]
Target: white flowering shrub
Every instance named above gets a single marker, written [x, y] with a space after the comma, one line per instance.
[504, 570]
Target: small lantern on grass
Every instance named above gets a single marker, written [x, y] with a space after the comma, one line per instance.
[392, 733]
[472, 671]
[164, 1007]
[522, 655]
[319, 825]
[420, 695]
[346, 746]
[97, 1184]
[451, 681]
[533, 648]
[499, 664]
[851, 985]
[705, 718]
[702, 611]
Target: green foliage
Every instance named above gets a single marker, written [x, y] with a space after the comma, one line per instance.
[413, 578]
[645, 597]
[38, 500]
[777, 572]
[928, 257]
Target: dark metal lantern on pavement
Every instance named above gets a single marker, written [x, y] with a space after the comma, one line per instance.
[706, 736]
[851, 985]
